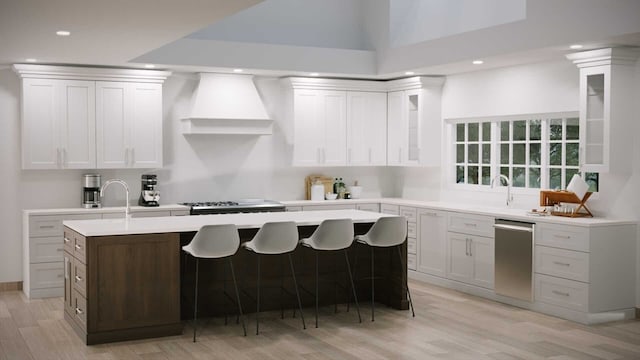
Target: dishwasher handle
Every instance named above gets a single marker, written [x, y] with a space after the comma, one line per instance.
[513, 227]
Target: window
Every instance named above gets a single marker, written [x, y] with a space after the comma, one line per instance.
[534, 151]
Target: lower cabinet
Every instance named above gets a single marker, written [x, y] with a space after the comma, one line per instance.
[432, 245]
[470, 259]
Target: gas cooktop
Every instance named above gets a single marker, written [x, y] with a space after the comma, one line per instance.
[230, 207]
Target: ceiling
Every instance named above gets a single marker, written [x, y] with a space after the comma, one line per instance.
[377, 39]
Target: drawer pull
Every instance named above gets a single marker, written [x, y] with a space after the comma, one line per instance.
[47, 226]
[470, 224]
[561, 263]
[79, 311]
[59, 250]
[78, 278]
[78, 247]
[66, 239]
[567, 237]
[60, 276]
[560, 293]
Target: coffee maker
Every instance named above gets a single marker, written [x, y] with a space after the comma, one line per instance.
[149, 196]
[91, 191]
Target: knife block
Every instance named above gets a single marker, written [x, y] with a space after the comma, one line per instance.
[550, 198]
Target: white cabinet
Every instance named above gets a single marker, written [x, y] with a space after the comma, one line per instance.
[369, 207]
[129, 124]
[470, 249]
[366, 128]
[432, 244]
[58, 124]
[412, 242]
[606, 108]
[320, 128]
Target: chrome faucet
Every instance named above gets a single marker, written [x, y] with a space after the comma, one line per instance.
[506, 179]
[127, 213]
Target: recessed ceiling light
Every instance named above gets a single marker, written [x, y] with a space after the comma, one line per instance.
[409, 73]
[30, 60]
[477, 62]
[314, 74]
[575, 46]
[237, 70]
[149, 66]
[63, 33]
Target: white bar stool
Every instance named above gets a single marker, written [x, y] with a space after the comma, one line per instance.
[215, 242]
[385, 232]
[275, 238]
[332, 235]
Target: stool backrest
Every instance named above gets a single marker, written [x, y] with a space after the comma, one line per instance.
[333, 234]
[276, 238]
[214, 241]
[388, 231]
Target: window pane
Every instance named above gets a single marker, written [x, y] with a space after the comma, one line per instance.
[473, 131]
[573, 129]
[519, 130]
[518, 177]
[535, 130]
[486, 153]
[534, 178]
[504, 171]
[593, 179]
[486, 131]
[486, 175]
[555, 178]
[472, 153]
[473, 174]
[460, 132]
[504, 130]
[460, 153]
[460, 174]
[570, 173]
[555, 129]
[519, 154]
[504, 154]
[534, 154]
[555, 154]
[572, 156]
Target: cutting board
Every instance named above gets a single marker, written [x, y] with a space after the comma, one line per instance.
[311, 179]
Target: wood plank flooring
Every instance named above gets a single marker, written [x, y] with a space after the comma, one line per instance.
[448, 325]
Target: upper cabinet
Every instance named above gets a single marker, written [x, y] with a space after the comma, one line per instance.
[366, 128]
[76, 118]
[606, 108]
[414, 128]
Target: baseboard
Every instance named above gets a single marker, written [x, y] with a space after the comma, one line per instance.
[14, 286]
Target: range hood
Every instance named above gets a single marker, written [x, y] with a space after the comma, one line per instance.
[226, 104]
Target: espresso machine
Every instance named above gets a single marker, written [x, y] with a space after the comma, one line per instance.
[91, 191]
[149, 196]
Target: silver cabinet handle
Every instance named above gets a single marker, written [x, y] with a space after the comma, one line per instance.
[566, 237]
[46, 226]
[79, 311]
[78, 247]
[466, 247]
[59, 249]
[60, 275]
[470, 224]
[78, 278]
[561, 263]
[470, 247]
[66, 239]
[67, 268]
[513, 227]
[560, 293]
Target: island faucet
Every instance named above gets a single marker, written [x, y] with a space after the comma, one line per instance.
[506, 179]
[127, 213]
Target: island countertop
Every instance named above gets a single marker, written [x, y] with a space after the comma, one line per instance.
[106, 227]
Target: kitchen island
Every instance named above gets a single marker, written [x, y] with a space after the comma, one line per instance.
[128, 279]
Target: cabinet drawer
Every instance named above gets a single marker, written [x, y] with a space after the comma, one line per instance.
[411, 230]
[293, 208]
[79, 309]
[68, 241]
[79, 277]
[411, 262]
[368, 207]
[471, 224]
[46, 275]
[409, 213]
[45, 249]
[412, 246]
[563, 237]
[573, 265]
[329, 207]
[566, 293]
[137, 214]
[79, 247]
[51, 225]
[390, 209]
[179, 212]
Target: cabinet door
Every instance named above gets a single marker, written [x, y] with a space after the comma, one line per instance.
[40, 114]
[460, 263]
[366, 128]
[482, 252]
[432, 238]
[595, 83]
[145, 125]
[307, 141]
[112, 133]
[333, 107]
[78, 125]
[395, 126]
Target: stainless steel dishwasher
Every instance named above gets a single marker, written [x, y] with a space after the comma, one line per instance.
[514, 259]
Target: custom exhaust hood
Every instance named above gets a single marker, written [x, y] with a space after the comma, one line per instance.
[226, 104]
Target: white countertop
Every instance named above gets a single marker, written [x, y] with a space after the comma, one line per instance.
[102, 210]
[169, 224]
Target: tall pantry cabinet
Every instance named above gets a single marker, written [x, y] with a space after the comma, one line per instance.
[87, 118]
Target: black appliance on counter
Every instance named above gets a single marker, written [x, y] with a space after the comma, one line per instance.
[232, 207]
[149, 196]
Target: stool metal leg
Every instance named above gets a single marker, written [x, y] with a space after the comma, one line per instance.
[258, 300]
[407, 283]
[316, 288]
[355, 269]
[295, 284]
[235, 285]
[353, 288]
[195, 305]
[373, 290]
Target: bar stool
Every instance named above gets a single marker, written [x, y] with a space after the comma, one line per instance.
[386, 232]
[332, 235]
[215, 242]
[275, 238]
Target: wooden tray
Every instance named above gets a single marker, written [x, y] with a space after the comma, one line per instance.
[550, 198]
[311, 179]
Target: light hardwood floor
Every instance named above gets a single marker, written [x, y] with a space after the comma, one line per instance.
[448, 325]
